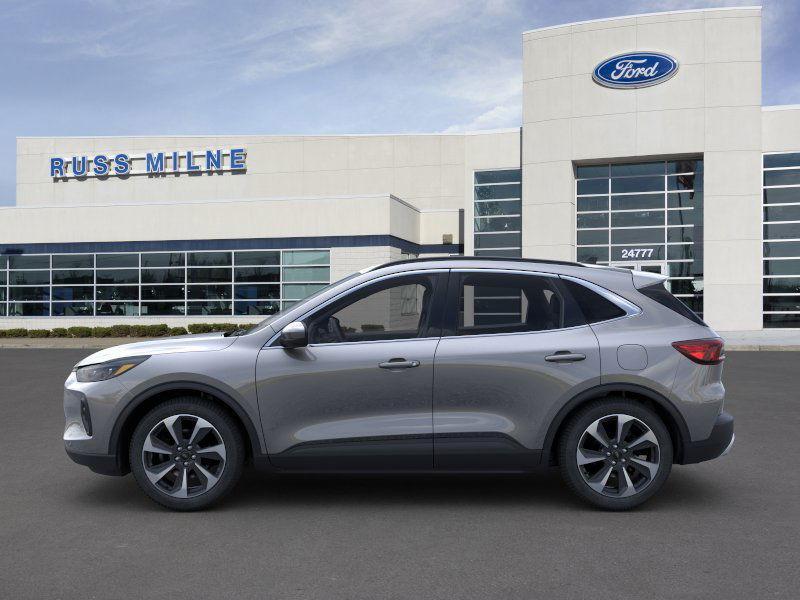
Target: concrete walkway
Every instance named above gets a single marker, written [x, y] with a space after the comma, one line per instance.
[764, 339]
[767, 339]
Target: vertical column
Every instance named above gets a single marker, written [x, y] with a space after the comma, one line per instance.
[548, 210]
[733, 172]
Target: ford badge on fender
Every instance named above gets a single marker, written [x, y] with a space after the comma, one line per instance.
[635, 70]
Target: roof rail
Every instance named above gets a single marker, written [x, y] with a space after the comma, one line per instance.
[489, 258]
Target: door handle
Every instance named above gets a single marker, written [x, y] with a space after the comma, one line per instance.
[563, 356]
[399, 363]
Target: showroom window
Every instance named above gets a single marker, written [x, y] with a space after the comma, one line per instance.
[129, 284]
[646, 216]
[781, 299]
[498, 213]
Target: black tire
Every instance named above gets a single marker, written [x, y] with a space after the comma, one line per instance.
[228, 431]
[574, 431]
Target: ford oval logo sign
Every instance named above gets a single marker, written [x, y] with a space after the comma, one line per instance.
[635, 70]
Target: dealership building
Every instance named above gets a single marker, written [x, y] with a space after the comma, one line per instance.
[643, 144]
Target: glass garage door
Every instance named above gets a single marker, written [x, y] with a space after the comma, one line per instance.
[498, 213]
[781, 301]
[645, 214]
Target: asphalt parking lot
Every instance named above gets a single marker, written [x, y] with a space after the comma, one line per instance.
[725, 529]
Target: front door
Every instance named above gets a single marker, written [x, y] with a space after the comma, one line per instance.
[513, 351]
[358, 397]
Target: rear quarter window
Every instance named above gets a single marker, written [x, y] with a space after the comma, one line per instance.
[594, 307]
[661, 294]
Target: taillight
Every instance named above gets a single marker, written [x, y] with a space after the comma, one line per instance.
[703, 352]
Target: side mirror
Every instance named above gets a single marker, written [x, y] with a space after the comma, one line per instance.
[294, 335]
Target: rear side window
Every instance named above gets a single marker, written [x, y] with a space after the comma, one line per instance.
[661, 294]
[493, 302]
[594, 307]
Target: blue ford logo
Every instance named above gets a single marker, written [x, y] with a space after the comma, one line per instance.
[635, 70]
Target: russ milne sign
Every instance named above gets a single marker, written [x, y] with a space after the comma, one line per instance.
[635, 70]
[151, 163]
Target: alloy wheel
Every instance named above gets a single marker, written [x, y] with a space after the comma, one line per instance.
[618, 455]
[183, 456]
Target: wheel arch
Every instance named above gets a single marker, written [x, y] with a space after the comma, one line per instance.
[148, 399]
[672, 418]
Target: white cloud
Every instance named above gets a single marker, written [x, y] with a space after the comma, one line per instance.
[497, 117]
[340, 32]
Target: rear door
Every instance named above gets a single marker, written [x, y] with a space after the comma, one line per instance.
[514, 349]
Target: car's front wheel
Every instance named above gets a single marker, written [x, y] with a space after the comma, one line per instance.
[186, 453]
[615, 453]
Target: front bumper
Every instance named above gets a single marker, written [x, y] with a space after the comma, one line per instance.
[717, 444]
[90, 410]
[105, 464]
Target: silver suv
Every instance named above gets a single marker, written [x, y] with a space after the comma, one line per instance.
[445, 364]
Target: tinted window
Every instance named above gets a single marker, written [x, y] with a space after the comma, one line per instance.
[209, 259]
[117, 292]
[257, 258]
[73, 261]
[118, 275]
[163, 259]
[209, 275]
[62, 277]
[497, 176]
[593, 220]
[592, 254]
[163, 276]
[73, 292]
[29, 277]
[660, 294]
[29, 293]
[592, 186]
[306, 257]
[782, 160]
[637, 201]
[392, 310]
[29, 262]
[780, 195]
[591, 171]
[592, 305]
[637, 184]
[110, 261]
[209, 292]
[498, 192]
[789, 177]
[490, 303]
[505, 207]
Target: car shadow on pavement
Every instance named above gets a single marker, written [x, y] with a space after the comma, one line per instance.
[544, 490]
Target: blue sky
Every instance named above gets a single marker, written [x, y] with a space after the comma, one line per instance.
[151, 67]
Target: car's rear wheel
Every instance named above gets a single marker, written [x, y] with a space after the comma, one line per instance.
[187, 453]
[615, 453]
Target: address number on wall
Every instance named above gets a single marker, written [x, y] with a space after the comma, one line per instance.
[637, 253]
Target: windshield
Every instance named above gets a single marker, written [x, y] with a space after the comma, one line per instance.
[259, 326]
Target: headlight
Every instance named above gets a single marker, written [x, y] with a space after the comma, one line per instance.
[107, 370]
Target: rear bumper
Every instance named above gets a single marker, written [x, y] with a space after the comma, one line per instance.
[717, 444]
[105, 464]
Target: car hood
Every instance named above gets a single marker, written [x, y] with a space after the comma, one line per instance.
[202, 342]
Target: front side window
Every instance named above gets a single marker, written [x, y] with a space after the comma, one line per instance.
[507, 303]
[397, 309]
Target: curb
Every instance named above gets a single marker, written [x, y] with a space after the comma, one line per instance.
[761, 348]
